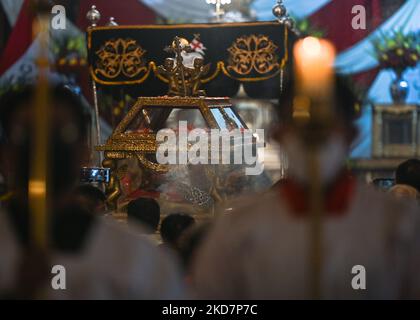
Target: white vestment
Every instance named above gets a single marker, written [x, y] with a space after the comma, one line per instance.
[115, 263]
[261, 250]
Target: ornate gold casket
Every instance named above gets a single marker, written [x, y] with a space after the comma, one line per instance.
[135, 136]
[254, 54]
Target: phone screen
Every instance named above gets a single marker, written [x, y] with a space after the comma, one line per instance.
[89, 175]
[383, 184]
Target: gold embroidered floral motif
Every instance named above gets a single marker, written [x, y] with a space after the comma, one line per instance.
[253, 53]
[120, 56]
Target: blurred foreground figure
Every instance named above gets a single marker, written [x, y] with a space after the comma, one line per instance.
[261, 250]
[102, 260]
[190, 244]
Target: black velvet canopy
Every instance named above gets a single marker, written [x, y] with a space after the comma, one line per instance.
[252, 53]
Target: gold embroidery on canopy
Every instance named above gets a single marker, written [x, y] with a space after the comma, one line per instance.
[121, 56]
[253, 53]
[151, 67]
[220, 68]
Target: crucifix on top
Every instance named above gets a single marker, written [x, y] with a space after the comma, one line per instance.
[183, 80]
[178, 46]
[218, 12]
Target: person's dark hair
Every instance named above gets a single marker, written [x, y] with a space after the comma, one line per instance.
[91, 192]
[346, 107]
[93, 195]
[12, 100]
[408, 173]
[173, 226]
[146, 211]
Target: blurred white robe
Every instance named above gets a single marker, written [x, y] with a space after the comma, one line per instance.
[260, 251]
[116, 263]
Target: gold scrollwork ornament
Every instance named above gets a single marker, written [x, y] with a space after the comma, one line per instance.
[253, 53]
[121, 56]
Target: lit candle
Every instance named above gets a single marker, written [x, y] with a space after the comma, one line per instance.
[314, 70]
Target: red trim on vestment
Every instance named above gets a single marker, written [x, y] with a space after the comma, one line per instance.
[337, 200]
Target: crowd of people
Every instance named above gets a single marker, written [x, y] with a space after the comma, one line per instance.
[259, 250]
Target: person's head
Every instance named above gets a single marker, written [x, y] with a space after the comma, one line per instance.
[336, 145]
[173, 226]
[91, 198]
[408, 173]
[145, 211]
[67, 147]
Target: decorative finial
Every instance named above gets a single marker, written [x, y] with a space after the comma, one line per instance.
[93, 16]
[283, 17]
[112, 22]
[279, 10]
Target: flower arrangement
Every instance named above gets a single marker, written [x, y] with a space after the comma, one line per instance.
[398, 51]
[306, 28]
[70, 51]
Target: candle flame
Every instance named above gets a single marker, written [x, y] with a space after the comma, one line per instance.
[311, 46]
